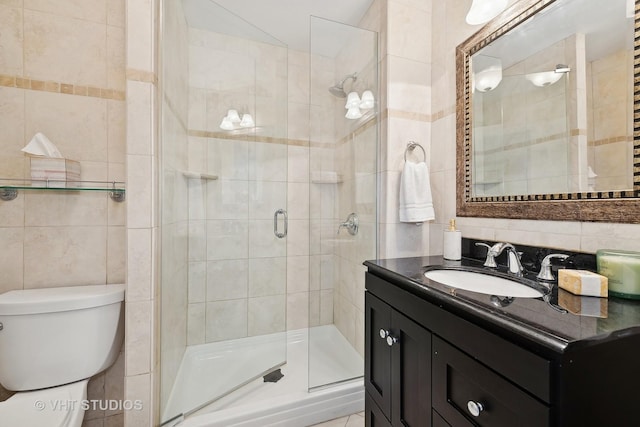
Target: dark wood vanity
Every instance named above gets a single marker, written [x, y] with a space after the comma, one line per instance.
[435, 356]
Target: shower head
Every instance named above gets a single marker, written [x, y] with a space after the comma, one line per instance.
[338, 88]
[338, 91]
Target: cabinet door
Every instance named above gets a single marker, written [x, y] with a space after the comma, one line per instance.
[373, 416]
[377, 375]
[410, 373]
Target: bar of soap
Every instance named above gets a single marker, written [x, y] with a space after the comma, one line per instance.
[583, 282]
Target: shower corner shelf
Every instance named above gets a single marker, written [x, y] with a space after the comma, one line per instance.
[326, 177]
[197, 175]
[9, 187]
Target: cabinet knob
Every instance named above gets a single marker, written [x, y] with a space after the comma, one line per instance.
[384, 334]
[391, 340]
[475, 408]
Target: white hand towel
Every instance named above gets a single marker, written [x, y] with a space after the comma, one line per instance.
[416, 204]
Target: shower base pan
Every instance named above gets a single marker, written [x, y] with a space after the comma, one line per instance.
[335, 377]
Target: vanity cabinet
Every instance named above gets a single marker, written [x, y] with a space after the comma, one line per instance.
[431, 364]
[398, 369]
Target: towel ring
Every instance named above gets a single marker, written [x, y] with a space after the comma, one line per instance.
[411, 146]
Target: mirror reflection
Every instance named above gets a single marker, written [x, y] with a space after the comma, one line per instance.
[552, 103]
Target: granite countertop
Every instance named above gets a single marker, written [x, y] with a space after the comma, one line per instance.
[557, 321]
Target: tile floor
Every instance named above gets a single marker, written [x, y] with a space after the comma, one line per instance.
[355, 420]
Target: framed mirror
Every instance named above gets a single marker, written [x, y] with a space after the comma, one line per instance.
[548, 113]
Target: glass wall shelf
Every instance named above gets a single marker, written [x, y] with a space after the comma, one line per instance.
[9, 187]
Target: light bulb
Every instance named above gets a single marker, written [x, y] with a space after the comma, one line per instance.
[233, 116]
[353, 100]
[353, 113]
[544, 78]
[226, 124]
[247, 121]
[367, 101]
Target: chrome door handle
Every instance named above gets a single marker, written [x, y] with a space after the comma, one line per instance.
[278, 234]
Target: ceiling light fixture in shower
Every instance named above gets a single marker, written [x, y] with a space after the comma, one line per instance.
[482, 11]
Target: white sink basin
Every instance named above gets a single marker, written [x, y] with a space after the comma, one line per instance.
[482, 283]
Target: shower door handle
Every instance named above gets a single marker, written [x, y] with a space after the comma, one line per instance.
[278, 234]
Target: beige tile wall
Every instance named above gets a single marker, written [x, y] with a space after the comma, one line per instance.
[142, 322]
[406, 111]
[610, 138]
[62, 73]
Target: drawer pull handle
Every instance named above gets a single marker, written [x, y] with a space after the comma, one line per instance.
[384, 334]
[475, 408]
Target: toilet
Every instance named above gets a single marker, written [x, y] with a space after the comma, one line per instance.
[52, 341]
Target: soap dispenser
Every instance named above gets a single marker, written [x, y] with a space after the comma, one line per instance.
[452, 242]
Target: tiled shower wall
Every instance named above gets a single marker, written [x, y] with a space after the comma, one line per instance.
[62, 73]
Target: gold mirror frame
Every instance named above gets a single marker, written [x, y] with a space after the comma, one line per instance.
[613, 206]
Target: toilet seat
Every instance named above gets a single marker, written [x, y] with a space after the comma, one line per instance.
[51, 407]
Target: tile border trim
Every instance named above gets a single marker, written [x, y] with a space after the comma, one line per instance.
[59, 87]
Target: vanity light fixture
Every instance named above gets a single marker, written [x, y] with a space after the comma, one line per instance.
[547, 78]
[482, 11]
[355, 104]
[232, 121]
[487, 79]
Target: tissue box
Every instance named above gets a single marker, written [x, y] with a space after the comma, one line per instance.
[56, 171]
[583, 282]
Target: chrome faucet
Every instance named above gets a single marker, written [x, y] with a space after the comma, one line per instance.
[513, 259]
[490, 261]
[545, 267]
[351, 224]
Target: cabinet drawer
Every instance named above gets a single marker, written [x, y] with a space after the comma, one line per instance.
[458, 379]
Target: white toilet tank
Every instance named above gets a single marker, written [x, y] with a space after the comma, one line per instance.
[54, 336]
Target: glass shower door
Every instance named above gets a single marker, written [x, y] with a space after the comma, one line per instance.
[343, 158]
[224, 206]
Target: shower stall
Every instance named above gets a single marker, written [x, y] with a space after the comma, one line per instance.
[268, 209]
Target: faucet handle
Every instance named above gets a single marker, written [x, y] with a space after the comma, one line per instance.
[545, 267]
[490, 261]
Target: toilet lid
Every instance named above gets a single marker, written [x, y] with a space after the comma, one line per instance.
[52, 407]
